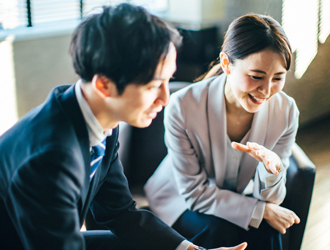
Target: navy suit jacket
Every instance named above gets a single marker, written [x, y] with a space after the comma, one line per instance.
[45, 190]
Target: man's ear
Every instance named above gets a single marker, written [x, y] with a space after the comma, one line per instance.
[103, 85]
[224, 61]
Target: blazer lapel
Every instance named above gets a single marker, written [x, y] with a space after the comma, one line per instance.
[257, 134]
[216, 109]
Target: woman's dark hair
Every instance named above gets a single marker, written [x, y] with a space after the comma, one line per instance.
[123, 43]
[253, 33]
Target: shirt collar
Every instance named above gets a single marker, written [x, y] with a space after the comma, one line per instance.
[96, 133]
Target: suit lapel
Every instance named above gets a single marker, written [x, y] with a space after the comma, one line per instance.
[216, 109]
[69, 102]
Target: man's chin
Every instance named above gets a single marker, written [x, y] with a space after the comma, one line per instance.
[142, 124]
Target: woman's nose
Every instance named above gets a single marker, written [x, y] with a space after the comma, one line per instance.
[265, 88]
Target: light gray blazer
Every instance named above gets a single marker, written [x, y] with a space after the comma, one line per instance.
[191, 176]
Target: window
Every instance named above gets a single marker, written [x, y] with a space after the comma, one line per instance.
[13, 14]
[306, 23]
[23, 13]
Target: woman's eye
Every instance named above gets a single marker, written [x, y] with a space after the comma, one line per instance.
[278, 79]
[257, 77]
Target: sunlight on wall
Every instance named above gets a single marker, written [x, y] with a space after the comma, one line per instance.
[306, 22]
[300, 22]
[8, 105]
[325, 20]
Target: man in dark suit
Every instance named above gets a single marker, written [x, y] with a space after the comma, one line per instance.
[61, 158]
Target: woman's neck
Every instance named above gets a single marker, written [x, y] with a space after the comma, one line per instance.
[239, 121]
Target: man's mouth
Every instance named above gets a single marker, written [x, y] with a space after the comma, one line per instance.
[154, 113]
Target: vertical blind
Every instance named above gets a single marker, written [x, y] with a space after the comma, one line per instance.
[13, 13]
[25, 13]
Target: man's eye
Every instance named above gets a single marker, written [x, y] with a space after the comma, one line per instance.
[155, 87]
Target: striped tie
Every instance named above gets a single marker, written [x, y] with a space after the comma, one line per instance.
[97, 154]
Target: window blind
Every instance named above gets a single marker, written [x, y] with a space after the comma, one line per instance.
[23, 13]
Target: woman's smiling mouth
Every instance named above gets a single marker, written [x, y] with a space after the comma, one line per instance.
[257, 100]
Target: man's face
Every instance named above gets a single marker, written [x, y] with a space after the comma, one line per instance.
[138, 105]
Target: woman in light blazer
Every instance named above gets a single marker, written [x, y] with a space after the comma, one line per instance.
[229, 139]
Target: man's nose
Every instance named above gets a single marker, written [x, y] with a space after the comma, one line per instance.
[164, 95]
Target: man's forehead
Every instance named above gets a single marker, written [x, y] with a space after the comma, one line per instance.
[167, 66]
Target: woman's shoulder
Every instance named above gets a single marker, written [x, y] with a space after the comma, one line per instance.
[283, 105]
[282, 100]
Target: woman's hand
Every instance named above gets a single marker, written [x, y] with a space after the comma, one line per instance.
[279, 217]
[271, 161]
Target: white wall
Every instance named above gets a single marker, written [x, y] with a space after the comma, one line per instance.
[40, 65]
[32, 62]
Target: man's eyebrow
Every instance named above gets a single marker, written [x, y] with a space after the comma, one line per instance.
[263, 72]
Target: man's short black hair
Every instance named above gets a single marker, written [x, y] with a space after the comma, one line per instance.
[123, 43]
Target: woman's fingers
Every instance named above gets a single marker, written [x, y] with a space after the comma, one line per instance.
[254, 146]
[246, 149]
[270, 166]
[279, 217]
[260, 153]
[270, 160]
[241, 147]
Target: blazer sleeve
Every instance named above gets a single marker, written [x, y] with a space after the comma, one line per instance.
[42, 200]
[269, 187]
[190, 174]
[114, 208]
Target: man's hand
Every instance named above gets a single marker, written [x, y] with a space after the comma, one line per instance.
[239, 247]
[279, 217]
[271, 161]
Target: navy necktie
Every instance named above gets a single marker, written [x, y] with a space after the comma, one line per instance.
[97, 154]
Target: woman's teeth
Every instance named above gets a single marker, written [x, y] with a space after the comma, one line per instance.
[257, 99]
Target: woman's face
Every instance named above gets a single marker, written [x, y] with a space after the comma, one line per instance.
[255, 79]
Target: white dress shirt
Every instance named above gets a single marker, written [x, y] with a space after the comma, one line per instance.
[95, 131]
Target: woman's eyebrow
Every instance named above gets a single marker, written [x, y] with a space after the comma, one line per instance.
[263, 72]
[258, 71]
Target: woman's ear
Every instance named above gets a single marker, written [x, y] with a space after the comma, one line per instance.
[103, 85]
[224, 61]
